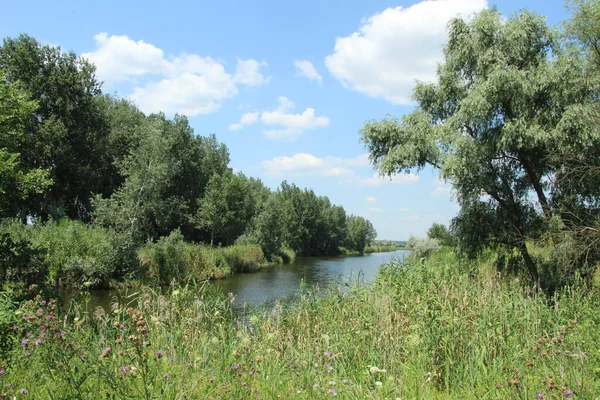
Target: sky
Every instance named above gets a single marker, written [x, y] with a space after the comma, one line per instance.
[286, 85]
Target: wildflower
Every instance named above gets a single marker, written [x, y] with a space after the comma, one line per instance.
[43, 335]
[329, 367]
[568, 393]
[23, 391]
[49, 317]
[378, 384]
[331, 383]
[60, 335]
[332, 392]
[42, 327]
[39, 311]
[2, 372]
[328, 354]
[43, 302]
[235, 366]
[165, 375]
[30, 335]
[124, 368]
[106, 352]
[15, 327]
[26, 317]
[540, 396]
[121, 326]
[159, 354]
[37, 342]
[292, 365]
[24, 343]
[27, 354]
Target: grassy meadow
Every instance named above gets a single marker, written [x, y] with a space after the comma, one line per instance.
[429, 329]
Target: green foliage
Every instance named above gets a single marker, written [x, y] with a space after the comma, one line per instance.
[82, 255]
[164, 177]
[172, 260]
[437, 328]
[360, 233]
[441, 234]
[66, 133]
[506, 99]
[20, 261]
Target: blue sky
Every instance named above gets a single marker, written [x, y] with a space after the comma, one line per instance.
[286, 85]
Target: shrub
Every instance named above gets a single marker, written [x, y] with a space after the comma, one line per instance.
[423, 247]
[20, 261]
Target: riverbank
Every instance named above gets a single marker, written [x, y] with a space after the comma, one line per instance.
[434, 329]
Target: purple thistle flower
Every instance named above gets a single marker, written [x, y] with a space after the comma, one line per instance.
[329, 367]
[49, 317]
[37, 342]
[332, 392]
[23, 391]
[165, 375]
[2, 372]
[42, 327]
[39, 311]
[568, 393]
[30, 335]
[328, 354]
[26, 317]
[24, 343]
[43, 302]
[15, 327]
[159, 354]
[540, 396]
[235, 366]
[43, 335]
[121, 326]
[60, 335]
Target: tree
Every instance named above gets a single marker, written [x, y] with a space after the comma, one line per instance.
[360, 233]
[66, 133]
[17, 183]
[441, 234]
[165, 176]
[488, 125]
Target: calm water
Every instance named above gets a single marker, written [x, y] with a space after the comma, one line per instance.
[264, 287]
[267, 286]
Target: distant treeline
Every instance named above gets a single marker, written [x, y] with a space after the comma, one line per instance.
[69, 151]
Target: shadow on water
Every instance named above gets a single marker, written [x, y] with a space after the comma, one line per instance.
[261, 290]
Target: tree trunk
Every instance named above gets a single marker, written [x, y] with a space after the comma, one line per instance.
[529, 264]
[535, 181]
[212, 238]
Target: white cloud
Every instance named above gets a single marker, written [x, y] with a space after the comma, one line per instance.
[398, 179]
[412, 218]
[248, 72]
[302, 164]
[188, 84]
[402, 209]
[371, 199]
[291, 124]
[394, 48]
[118, 58]
[307, 69]
[375, 210]
[246, 119]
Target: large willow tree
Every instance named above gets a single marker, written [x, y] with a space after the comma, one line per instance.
[506, 99]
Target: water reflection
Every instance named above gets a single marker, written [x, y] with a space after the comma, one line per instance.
[267, 286]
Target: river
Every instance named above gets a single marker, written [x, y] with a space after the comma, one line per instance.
[264, 287]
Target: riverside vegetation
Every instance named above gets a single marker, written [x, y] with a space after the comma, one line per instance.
[428, 328]
[502, 304]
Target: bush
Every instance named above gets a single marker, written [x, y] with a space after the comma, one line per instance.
[423, 247]
[20, 261]
[84, 255]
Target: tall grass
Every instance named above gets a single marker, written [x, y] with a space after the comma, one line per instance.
[433, 329]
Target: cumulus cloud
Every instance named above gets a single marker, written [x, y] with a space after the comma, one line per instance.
[375, 210]
[307, 69]
[396, 47]
[248, 72]
[246, 119]
[290, 125]
[302, 164]
[307, 164]
[371, 199]
[398, 179]
[188, 83]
